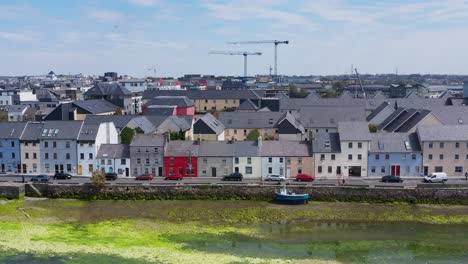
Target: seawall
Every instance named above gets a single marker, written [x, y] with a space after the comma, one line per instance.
[11, 191]
[247, 192]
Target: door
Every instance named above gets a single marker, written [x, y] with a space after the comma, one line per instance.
[80, 169]
[181, 171]
[61, 167]
[24, 168]
[397, 170]
[3, 167]
[56, 168]
[426, 170]
[213, 171]
[127, 171]
[288, 172]
[160, 171]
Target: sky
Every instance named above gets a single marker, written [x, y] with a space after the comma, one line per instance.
[175, 36]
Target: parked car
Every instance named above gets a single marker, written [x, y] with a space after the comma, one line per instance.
[275, 178]
[391, 178]
[111, 176]
[436, 177]
[305, 177]
[145, 177]
[62, 176]
[174, 177]
[235, 176]
[40, 178]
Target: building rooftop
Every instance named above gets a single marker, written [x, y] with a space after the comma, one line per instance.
[326, 143]
[61, 130]
[350, 131]
[283, 148]
[443, 133]
[96, 106]
[147, 140]
[395, 143]
[113, 151]
[11, 129]
[182, 148]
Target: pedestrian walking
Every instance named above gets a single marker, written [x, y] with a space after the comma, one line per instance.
[466, 176]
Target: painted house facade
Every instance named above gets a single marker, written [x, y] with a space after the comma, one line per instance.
[246, 159]
[397, 154]
[30, 148]
[215, 158]
[147, 154]
[10, 152]
[114, 158]
[181, 158]
[445, 149]
[208, 128]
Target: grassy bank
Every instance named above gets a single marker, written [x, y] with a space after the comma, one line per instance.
[216, 232]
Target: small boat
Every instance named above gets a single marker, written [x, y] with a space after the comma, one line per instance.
[286, 197]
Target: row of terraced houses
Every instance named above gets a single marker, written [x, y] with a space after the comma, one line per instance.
[80, 147]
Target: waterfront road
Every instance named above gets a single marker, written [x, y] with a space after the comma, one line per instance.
[363, 181]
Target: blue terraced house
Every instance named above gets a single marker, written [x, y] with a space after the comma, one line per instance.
[10, 154]
[396, 154]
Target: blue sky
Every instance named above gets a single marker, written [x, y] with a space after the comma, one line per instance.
[175, 36]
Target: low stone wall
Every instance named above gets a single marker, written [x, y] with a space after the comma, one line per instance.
[230, 192]
[11, 191]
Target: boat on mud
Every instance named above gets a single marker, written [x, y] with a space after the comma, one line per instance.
[287, 197]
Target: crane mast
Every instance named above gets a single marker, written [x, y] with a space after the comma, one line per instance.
[360, 84]
[243, 53]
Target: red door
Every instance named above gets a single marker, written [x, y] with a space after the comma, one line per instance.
[395, 170]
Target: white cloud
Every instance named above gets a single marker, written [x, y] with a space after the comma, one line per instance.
[105, 16]
[145, 2]
[18, 37]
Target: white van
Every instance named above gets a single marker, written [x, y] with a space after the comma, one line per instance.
[436, 177]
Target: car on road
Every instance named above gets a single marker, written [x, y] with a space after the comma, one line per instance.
[111, 176]
[144, 177]
[305, 177]
[62, 176]
[40, 178]
[235, 176]
[275, 178]
[174, 177]
[391, 178]
[436, 177]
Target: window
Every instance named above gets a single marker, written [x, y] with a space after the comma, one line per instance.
[138, 150]
[46, 156]
[413, 156]
[407, 169]
[26, 155]
[281, 160]
[359, 157]
[203, 172]
[224, 162]
[429, 156]
[156, 161]
[153, 171]
[430, 145]
[67, 144]
[12, 144]
[67, 156]
[387, 156]
[147, 162]
[205, 161]
[299, 160]
[270, 170]
[236, 160]
[338, 170]
[372, 169]
[458, 169]
[438, 168]
[46, 144]
[466, 144]
[416, 169]
[457, 157]
[441, 145]
[103, 162]
[245, 132]
[359, 145]
[13, 155]
[47, 167]
[90, 144]
[90, 167]
[171, 160]
[109, 162]
[299, 170]
[135, 171]
[319, 169]
[350, 157]
[330, 169]
[55, 156]
[288, 161]
[248, 170]
[350, 145]
[1, 155]
[236, 169]
[377, 156]
[322, 156]
[441, 156]
[270, 160]
[249, 160]
[235, 131]
[403, 157]
[90, 156]
[68, 167]
[466, 156]
[34, 155]
[156, 150]
[382, 169]
[457, 144]
[123, 161]
[34, 167]
[54, 144]
[82, 156]
[332, 156]
[139, 161]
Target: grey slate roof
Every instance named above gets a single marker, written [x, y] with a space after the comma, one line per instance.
[96, 106]
[326, 143]
[413, 121]
[443, 133]
[147, 140]
[213, 123]
[32, 131]
[451, 115]
[182, 148]
[293, 121]
[180, 101]
[11, 129]
[113, 151]
[246, 149]
[120, 121]
[250, 120]
[160, 110]
[61, 130]
[247, 105]
[378, 110]
[394, 143]
[350, 131]
[283, 148]
[88, 132]
[216, 149]
[104, 88]
[199, 94]
[325, 116]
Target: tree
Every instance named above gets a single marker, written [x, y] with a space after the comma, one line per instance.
[177, 135]
[118, 111]
[373, 128]
[126, 135]
[253, 135]
[98, 178]
[294, 92]
[3, 116]
[139, 130]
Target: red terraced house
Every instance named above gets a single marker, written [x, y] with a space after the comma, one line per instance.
[181, 158]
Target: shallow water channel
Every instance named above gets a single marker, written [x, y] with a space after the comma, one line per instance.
[61, 231]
